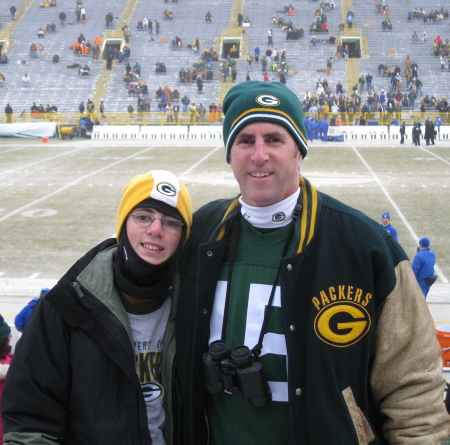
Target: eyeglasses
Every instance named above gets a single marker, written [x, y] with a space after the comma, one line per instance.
[168, 224]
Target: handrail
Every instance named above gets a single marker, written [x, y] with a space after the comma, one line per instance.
[163, 118]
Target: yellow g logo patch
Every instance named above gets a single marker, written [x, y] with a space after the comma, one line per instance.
[342, 324]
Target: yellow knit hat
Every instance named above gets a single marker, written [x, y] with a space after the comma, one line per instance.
[160, 185]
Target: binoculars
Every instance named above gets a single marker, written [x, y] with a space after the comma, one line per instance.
[235, 371]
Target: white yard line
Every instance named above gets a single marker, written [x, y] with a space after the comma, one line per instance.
[25, 166]
[82, 178]
[397, 209]
[200, 161]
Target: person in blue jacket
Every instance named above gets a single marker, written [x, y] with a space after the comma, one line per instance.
[386, 223]
[313, 128]
[423, 264]
[323, 129]
[22, 317]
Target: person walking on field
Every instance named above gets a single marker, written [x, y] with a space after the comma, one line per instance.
[423, 265]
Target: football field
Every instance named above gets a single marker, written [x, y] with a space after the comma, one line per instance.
[59, 199]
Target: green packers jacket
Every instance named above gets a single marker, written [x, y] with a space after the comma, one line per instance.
[363, 358]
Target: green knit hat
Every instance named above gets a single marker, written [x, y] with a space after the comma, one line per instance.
[257, 101]
[5, 330]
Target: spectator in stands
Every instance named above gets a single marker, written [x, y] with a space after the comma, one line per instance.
[157, 27]
[415, 37]
[9, 113]
[62, 17]
[40, 33]
[41, 50]
[13, 11]
[424, 37]
[346, 52]
[78, 12]
[208, 17]
[197, 45]
[167, 92]
[185, 101]
[270, 37]
[175, 95]
[33, 50]
[369, 80]
[83, 13]
[130, 108]
[90, 106]
[350, 17]
[126, 54]
[109, 19]
[126, 33]
[418, 84]
[240, 18]
[109, 59]
[201, 113]
[26, 80]
[84, 71]
[193, 112]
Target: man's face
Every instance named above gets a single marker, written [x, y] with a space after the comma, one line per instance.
[385, 221]
[153, 244]
[265, 161]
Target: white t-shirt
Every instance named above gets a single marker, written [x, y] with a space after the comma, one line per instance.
[148, 335]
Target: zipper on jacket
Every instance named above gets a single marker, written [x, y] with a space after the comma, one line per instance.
[77, 287]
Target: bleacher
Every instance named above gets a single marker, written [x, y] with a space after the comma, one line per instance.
[54, 83]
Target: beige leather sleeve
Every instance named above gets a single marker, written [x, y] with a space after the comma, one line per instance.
[406, 376]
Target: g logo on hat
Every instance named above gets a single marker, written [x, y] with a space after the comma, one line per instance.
[268, 100]
[166, 189]
[278, 217]
[342, 324]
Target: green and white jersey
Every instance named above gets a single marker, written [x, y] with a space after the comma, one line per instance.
[234, 419]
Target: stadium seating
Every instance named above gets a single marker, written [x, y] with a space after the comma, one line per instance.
[55, 83]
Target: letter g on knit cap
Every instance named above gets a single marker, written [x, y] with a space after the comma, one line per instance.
[257, 101]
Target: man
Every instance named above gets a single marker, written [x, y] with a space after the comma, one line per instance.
[9, 113]
[26, 80]
[13, 11]
[22, 317]
[386, 224]
[312, 288]
[185, 101]
[270, 37]
[429, 131]
[402, 132]
[98, 349]
[62, 17]
[423, 265]
[416, 133]
[323, 129]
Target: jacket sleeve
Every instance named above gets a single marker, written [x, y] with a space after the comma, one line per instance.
[406, 376]
[29, 439]
[37, 386]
